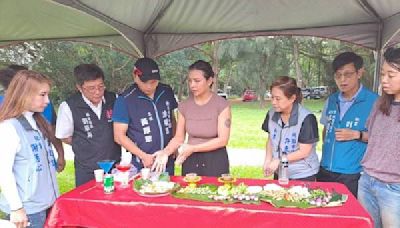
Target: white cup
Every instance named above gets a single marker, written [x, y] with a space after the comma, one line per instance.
[145, 173]
[98, 175]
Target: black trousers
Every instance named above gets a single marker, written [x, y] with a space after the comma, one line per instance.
[212, 163]
[350, 180]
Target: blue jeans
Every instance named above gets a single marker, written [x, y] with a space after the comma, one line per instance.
[36, 220]
[381, 200]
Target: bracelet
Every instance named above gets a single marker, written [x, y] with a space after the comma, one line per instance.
[361, 136]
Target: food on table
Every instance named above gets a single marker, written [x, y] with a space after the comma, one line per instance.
[301, 196]
[254, 189]
[203, 190]
[226, 177]
[156, 187]
[191, 178]
[274, 190]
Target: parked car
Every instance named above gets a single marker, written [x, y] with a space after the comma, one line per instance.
[311, 93]
[267, 95]
[249, 95]
[323, 90]
[222, 94]
[306, 92]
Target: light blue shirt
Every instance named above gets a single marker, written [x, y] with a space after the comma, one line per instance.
[344, 105]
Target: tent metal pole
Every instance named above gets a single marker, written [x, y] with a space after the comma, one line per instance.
[378, 58]
[378, 47]
[377, 72]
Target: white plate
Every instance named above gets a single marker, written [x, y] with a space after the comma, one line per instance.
[254, 189]
[152, 195]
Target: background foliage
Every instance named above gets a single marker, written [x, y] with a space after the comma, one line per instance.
[251, 63]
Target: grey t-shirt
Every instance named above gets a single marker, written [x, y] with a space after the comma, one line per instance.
[382, 157]
[201, 121]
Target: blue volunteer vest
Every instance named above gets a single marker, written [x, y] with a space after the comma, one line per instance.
[345, 156]
[150, 123]
[34, 170]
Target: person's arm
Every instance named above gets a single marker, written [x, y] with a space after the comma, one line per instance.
[8, 183]
[323, 134]
[67, 140]
[120, 137]
[161, 157]
[224, 127]
[268, 158]
[308, 135]
[303, 152]
[347, 134]
[179, 137]
[57, 143]
[64, 124]
[268, 169]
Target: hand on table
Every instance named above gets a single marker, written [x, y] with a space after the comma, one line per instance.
[147, 160]
[271, 167]
[160, 163]
[267, 171]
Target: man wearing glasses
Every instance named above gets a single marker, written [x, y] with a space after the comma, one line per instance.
[344, 117]
[84, 122]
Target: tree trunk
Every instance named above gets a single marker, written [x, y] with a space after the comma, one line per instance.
[263, 80]
[182, 83]
[299, 74]
[228, 79]
[215, 63]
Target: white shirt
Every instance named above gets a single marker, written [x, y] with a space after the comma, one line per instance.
[9, 148]
[65, 122]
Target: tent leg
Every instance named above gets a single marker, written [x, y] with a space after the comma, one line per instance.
[378, 64]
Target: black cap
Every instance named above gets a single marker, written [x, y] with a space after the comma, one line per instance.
[147, 69]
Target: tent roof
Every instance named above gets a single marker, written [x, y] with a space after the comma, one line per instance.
[155, 27]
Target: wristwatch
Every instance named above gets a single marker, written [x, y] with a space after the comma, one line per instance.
[361, 136]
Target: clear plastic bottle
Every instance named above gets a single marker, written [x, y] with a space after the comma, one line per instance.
[283, 173]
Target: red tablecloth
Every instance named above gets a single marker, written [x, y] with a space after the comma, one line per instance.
[88, 206]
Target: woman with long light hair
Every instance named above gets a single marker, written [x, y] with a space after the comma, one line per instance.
[27, 163]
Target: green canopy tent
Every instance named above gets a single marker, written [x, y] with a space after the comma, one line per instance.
[156, 27]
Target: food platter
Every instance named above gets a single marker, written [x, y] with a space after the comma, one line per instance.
[301, 197]
[148, 188]
[296, 196]
[276, 195]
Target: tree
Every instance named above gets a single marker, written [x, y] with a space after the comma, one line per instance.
[25, 53]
